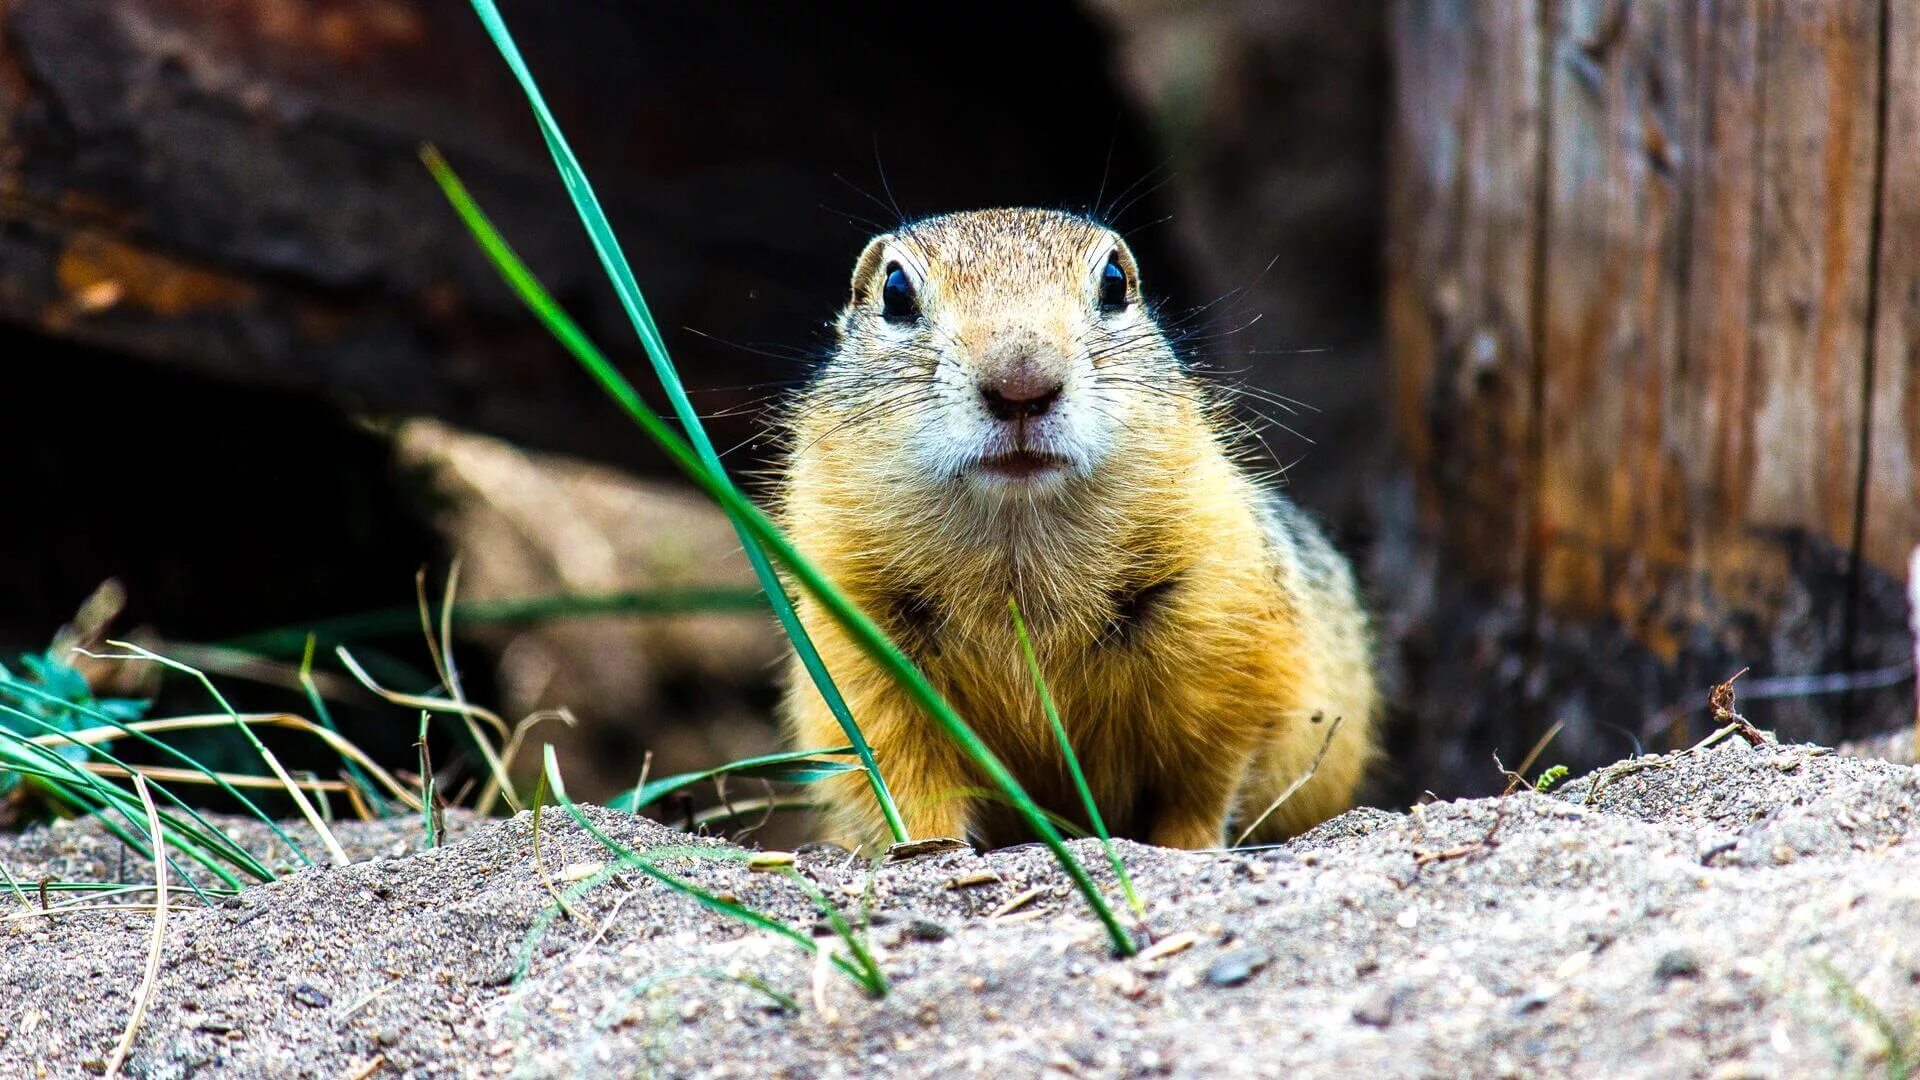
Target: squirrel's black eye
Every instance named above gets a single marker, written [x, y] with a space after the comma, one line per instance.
[1113, 286]
[897, 301]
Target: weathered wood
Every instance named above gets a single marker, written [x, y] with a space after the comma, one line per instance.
[1723, 184]
[1726, 254]
[1461, 257]
[1816, 247]
[1615, 243]
[1459, 303]
[1893, 437]
[232, 186]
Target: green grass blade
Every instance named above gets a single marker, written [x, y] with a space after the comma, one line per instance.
[192, 851]
[614, 260]
[368, 793]
[843, 611]
[789, 766]
[83, 792]
[298, 796]
[1073, 759]
[628, 857]
[428, 819]
[875, 981]
[161, 745]
[76, 777]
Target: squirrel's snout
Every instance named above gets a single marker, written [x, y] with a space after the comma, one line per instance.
[1018, 397]
[1018, 373]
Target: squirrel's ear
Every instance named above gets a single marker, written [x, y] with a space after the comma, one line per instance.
[866, 267]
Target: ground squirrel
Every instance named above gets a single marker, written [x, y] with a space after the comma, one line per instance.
[1003, 416]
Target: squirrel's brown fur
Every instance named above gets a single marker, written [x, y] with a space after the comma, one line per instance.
[1197, 631]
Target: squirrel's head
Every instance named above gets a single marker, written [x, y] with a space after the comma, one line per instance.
[1002, 352]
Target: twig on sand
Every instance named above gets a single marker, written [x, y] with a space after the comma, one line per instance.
[1017, 902]
[144, 995]
[1624, 768]
[1486, 841]
[1727, 716]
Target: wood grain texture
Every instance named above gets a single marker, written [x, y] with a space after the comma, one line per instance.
[1893, 433]
[1464, 231]
[1723, 175]
[1624, 110]
[1815, 252]
[1729, 299]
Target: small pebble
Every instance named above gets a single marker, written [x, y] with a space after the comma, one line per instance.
[311, 997]
[1532, 1003]
[1376, 1009]
[924, 930]
[1677, 964]
[1238, 965]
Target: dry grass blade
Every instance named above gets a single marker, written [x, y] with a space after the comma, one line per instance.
[234, 663]
[1540, 747]
[1298, 783]
[161, 774]
[1018, 901]
[94, 735]
[144, 995]
[415, 701]
[292, 789]
[76, 908]
[1517, 778]
[498, 784]
[512, 752]
[539, 858]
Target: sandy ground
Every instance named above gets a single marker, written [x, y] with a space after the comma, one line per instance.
[1728, 912]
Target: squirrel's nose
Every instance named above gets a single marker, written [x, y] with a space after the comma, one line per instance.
[1023, 395]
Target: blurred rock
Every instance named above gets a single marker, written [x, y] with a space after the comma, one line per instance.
[693, 689]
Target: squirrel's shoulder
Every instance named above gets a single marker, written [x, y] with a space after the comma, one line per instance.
[1298, 544]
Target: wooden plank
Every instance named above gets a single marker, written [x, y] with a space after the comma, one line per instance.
[1429, 55]
[1725, 168]
[1612, 493]
[1816, 205]
[1711, 200]
[1461, 271]
[1893, 446]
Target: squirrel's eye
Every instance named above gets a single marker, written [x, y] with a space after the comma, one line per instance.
[1113, 286]
[897, 301]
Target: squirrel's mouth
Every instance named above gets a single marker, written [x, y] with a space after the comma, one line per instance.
[1022, 465]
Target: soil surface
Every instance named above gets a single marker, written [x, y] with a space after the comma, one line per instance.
[1727, 912]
